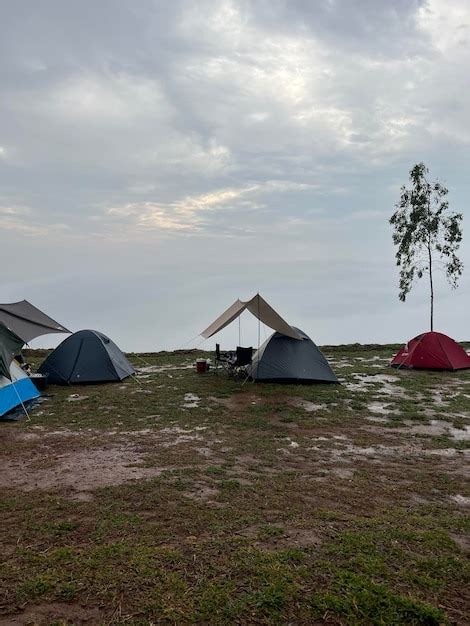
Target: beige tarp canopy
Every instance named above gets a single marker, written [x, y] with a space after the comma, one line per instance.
[260, 309]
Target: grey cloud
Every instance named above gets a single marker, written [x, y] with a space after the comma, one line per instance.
[383, 28]
[119, 122]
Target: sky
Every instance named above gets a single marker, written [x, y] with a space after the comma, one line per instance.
[160, 159]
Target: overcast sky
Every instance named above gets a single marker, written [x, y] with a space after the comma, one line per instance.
[159, 159]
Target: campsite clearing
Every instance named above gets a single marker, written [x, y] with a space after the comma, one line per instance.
[187, 498]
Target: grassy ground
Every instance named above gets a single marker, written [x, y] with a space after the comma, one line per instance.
[186, 498]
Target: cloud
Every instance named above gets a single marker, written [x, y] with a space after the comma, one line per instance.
[11, 221]
[275, 134]
[192, 214]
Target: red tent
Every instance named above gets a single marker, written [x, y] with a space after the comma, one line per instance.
[432, 351]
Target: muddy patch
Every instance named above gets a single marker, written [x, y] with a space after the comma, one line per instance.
[54, 613]
[463, 541]
[157, 369]
[377, 419]
[273, 537]
[436, 428]
[75, 397]
[461, 500]
[202, 491]
[174, 436]
[238, 401]
[382, 408]
[368, 382]
[310, 407]
[77, 471]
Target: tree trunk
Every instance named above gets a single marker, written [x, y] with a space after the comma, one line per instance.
[432, 288]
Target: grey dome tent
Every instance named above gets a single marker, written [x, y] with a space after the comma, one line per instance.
[281, 359]
[87, 356]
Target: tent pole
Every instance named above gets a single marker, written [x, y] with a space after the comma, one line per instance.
[259, 330]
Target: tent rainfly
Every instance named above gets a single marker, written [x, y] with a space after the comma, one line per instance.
[28, 322]
[281, 359]
[432, 351]
[15, 389]
[87, 356]
[260, 309]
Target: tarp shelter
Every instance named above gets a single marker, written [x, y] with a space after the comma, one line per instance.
[28, 322]
[87, 356]
[283, 359]
[260, 309]
[433, 351]
[10, 346]
[15, 389]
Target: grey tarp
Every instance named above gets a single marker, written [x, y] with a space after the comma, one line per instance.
[28, 322]
[260, 309]
[281, 359]
[10, 345]
[87, 356]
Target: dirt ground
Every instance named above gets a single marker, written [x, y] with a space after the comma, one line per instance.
[181, 498]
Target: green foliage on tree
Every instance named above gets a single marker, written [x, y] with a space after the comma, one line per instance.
[426, 233]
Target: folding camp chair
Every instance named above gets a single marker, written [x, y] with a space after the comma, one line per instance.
[224, 359]
[243, 358]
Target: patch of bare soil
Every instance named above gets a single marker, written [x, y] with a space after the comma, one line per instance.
[309, 407]
[78, 470]
[45, 614]
[463, 541]
[238, 401]
[79, 462]
[157, 369]
[287, 537]
[383, 408]
[202, 491]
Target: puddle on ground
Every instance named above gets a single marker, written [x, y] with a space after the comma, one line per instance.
[377, 419]
[349, 451]
[436, 428]
[75, 397]
[441, 397]
[461, 500]
[181, 435]
[373, 359]
[308, 406]
[156, 369]
[290, 444]
[207, 452]
[191, 401]
[382, 408]
[364, 382]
